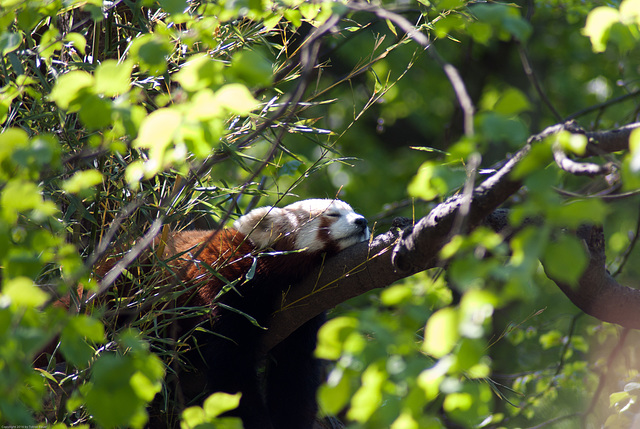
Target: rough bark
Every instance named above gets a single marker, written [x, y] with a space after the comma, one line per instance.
[395, 255]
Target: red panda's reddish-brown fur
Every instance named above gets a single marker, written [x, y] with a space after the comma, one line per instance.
[298, 236]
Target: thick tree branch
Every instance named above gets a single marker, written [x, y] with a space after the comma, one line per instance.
[391, 256]
[597, 293]
[601, 142]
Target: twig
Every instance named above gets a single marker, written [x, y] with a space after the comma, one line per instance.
[603, 105]
[578, 168]
[450, 71]
[528, 70]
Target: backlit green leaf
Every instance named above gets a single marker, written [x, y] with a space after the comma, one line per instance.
[219, 403]
[158, 129]
[144, 388]
[332, 336]
[151, 51]
[335, 396]
[201, 71]
[512, 102]
[441, 332]
[68, 86]
[551, 339]
[82, 180]
[113, 78]
[599, 22]
[19, 196]
[435, 180]
[23, 292]
[236, 98]
[368, 397]
[77, 40]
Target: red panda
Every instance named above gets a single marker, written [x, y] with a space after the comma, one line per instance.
[268, 250]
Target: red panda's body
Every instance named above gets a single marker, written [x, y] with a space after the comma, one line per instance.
[241, 274]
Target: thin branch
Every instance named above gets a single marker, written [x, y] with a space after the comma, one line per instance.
[535, 82]
[578, 168]
[466, 104]
[392, 256]
[603, 105]
[308, 56]
[602, 381]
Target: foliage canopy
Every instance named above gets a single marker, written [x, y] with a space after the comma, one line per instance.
[122, 119]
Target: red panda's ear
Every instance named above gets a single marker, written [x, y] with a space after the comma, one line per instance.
[260, 225]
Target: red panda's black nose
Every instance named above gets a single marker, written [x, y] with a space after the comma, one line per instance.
[361, 222]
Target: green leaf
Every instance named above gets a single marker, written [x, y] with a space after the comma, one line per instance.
[332, 336]
[441, 333]
[496, 127]
[205, 106]
[449, 4]
[252, 69]
[551, 339]
[574, 143]
[430, 379]
[19, 196]
[157, 130]
[11, 140]
[82, 180]
[630, 12]
[574, 213]
[565, 259]
[9, 42]
[294, 16]
[77, 40]
[435, 180]
[457, 401]
[396, 295]
[448, 24]
[113, 78]
[219, 403]
[236, 98]
[95, 111]
[174, 7]
[68, 87]
[200, 72]
[599, 22]
[333, 397]
[537, 159]
[111, 399]
[144, 388]
[74, 336]
[405, 421]
[23, 292]
[505, 18]
[151, 51]
[49, 43]
[368, 397]
[512, 102]
[290, 168]
[480, 31]
[468, 354]
[617, 397]
[193, 417]
[634, 151]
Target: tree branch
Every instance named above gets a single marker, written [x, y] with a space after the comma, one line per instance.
[392, 256]
[597, 293]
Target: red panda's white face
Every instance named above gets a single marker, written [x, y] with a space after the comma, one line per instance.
[312, 225]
